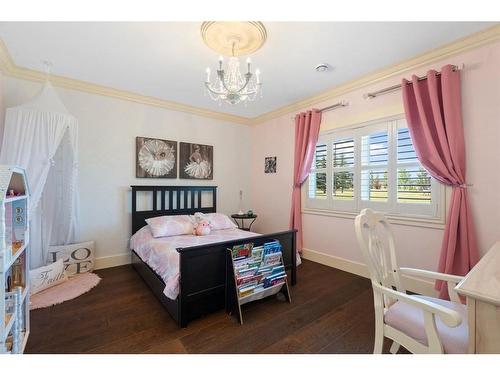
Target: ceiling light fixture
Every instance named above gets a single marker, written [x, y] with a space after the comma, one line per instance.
[237, 38]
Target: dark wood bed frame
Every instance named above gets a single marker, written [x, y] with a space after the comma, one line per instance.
[202, 268]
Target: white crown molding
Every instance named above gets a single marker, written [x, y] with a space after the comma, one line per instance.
[472, 41]
[9, 68]
[467, 43]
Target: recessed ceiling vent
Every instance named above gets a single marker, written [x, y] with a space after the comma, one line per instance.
[323, 67]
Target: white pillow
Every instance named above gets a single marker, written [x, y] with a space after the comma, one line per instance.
[164, 226]
[217, 220]
[47, 276]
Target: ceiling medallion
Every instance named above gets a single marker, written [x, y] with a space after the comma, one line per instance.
[233, 39]
[220, 36]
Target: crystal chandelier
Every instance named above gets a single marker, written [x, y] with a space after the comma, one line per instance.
[231, 85]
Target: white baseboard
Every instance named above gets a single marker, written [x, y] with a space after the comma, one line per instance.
[412, 284]
[112, 261]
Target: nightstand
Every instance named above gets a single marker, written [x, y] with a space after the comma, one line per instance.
[242, 218]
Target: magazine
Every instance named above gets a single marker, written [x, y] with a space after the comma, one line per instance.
[272, 259]
[242, 250]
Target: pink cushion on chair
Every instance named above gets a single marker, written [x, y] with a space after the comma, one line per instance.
[410, 320]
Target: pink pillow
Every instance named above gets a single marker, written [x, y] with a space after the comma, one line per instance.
[165, 226]
[218, 221]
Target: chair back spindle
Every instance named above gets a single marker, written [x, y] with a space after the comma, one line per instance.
[377, 244]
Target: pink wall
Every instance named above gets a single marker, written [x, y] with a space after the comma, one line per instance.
[418, 246]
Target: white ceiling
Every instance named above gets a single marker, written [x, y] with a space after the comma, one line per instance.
[168, 60]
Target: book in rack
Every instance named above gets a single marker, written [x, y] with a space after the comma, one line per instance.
[253, 273]
[14, 259]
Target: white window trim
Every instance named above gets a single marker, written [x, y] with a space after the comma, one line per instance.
[439, 190]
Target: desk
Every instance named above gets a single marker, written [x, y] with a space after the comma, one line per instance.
[481, 287]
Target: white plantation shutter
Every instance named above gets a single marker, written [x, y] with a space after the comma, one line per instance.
[417, 193]
[317, 177]
[414, 182]
[343, 186]
[343, 169]
[373, 165]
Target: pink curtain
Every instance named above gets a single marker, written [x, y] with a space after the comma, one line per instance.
[306, 136]
[434, 114]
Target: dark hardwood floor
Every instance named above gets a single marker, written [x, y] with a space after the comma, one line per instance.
[331, 312]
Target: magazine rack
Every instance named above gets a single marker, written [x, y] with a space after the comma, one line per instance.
[254, 273]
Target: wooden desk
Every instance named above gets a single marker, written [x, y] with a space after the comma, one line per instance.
[481, 286]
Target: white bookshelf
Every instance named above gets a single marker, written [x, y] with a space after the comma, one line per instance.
[14, 260]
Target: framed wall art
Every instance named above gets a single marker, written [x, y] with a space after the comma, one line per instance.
[155, 158]
[270, 164]
[196, 161]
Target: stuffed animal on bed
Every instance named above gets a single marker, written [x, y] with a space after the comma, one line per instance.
[202, 227]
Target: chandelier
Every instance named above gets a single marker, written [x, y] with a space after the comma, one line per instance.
[231, 85]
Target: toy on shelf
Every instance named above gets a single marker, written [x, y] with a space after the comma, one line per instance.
[13, 193]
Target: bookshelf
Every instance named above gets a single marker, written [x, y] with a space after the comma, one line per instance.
[14, 260]
[254, 273]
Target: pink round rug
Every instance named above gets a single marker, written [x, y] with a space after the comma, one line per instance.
[74, 287]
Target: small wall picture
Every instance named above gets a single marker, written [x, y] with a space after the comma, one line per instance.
[196, 161]
[270, 164]
[155, 158]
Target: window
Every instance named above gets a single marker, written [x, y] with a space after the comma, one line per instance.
[373, 165]
[317, 177]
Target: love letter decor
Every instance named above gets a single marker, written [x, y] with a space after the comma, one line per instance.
[77, 258]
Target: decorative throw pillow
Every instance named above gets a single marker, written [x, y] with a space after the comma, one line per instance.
[77, 258]
[164, 226]
[47, 276]
[217, 220]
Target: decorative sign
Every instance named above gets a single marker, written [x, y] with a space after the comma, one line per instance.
[47, 276]
[77, 258]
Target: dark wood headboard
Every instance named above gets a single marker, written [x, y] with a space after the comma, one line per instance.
[173, 200]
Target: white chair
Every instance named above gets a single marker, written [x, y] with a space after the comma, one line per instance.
[419, 323]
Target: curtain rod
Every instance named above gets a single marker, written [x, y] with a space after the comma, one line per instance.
[390, 89]
[342, 103]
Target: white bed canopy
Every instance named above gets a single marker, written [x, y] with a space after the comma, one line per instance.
[42, 137]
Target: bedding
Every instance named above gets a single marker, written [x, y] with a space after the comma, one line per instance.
[217, 220]
[161, 254]
[163, 226]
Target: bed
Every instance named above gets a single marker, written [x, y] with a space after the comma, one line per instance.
[198, 284]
